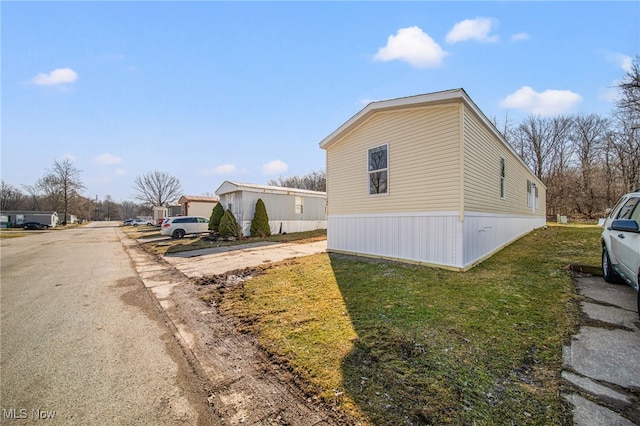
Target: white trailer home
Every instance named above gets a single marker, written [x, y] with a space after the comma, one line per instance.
[427, 179]
[17, 218]
[289, 209]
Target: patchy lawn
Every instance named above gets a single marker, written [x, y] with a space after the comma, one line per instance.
[390, 343]
[13, 233]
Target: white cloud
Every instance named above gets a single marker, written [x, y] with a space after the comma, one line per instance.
[274, 167]
[623, 61]
[222, 169]
[520, 36]
[120, 172]
[57, 76]
[107, 159]
[472, 29]
[414, 46]
[549, 102]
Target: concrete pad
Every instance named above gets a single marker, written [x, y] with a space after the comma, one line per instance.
[151, 283]
[162, 291]
[218, 250]
[611, 356]
[587, 413]
[142, 269]
[598, 289]
[611, 315]
[219, 263]
[594, 388]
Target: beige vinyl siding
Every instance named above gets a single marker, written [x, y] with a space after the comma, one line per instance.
[482, 154]
[424, 163]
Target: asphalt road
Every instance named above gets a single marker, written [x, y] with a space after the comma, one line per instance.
[82, 342]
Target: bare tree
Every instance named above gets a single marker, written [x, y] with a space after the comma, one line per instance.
[625, 142]
[11, 198]
[33, 201]
[48, 191]
[543, 144]
[624, 149]
[313, 181]
[67, 178]
[506, 129]
[127, 209]
[533, 141]
[157, 188]
[589, 141]
[629, 99]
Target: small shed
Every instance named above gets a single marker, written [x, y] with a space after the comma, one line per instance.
[427, 179]
[162, 212]
[289, 209]
[197, 205]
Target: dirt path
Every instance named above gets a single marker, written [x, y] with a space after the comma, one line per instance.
[247, 387]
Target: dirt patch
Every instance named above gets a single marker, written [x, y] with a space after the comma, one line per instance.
[246, 385]
[192, 381]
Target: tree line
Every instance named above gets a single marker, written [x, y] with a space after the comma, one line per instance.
[60, 189]
[586, 161]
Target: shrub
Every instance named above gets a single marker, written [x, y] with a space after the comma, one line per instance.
[216, 216]
[229, 225]
[260, 222]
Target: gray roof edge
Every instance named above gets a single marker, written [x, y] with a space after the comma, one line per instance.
[274, 189]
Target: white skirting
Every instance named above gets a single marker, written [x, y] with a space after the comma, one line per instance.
[288, 226]
[434, 238]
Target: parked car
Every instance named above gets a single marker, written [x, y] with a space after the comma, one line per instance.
[180, 226]
[127, 222]
[621, 243]
[136, 222]
[34, 226]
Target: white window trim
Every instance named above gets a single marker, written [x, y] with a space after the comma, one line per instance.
[384, 194]
[299, 207]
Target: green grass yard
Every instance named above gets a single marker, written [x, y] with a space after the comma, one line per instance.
[390, 343]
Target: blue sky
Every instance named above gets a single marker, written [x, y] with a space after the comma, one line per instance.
[245, 91]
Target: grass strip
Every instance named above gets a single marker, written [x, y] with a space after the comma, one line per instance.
[391, 343]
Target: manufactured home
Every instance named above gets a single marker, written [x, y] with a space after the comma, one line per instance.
[15, 219]
[427, 179]
[289, 209]
[197, 205]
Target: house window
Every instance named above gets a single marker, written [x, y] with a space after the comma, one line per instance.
[529, 198]
[299, 206]
[230, 201]
[379, 170]
[503, 190]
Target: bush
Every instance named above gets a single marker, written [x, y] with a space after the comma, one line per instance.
[216, 216]
[229, 225]
[260, 222]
